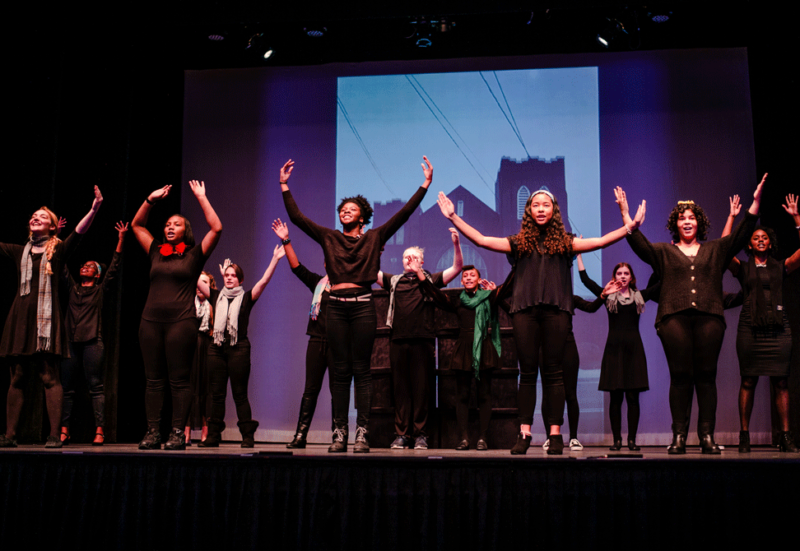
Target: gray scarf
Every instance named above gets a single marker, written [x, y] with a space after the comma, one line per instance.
[616, 299]
[227, 316]
[44, 306]
[203, 309]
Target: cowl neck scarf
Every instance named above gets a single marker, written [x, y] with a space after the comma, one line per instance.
[614, 300]
[485, 317]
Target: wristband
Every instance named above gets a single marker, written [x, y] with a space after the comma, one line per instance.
[285, 241]
[148, 201]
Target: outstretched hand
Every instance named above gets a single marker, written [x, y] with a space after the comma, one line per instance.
[622, 201]
[735, 206]
[280, 229]
[445, 205]
[224, 266]
[122, 229]
[454, 236]
[198, 188]
[62, 222]
[159, 194]
[488, 285]
[98, 199]
[279, 252]
[638, 220]
[791, 204]
[611, 287]
[286, 170]
[427, 169]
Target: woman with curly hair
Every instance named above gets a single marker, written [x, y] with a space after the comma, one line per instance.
[34, 336]
[690, 318]
[541, 302]
[763, 339]
[352, 261]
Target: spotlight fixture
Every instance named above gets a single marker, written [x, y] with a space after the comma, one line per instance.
[259, 46]
[611, 32]
[215, 37]
[316, 32]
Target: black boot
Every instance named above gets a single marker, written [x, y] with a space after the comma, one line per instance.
[786, 443]
[307, 407]
[556, 445]
[617, 444]
[744, 441]
[339, 444]
[705, 431]
[151, 440]
[678, 445]
[248, 430]
[176, 440]
[522, 445]
[214, 437]
[362, 444]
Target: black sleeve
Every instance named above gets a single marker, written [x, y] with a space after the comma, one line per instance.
[653, 289]
[586, 305]
[309, 278]
[644, 249]
[590, 284]
[389, 228]
[443, 301]
[111, 273]
[731, 300]
[311, 229]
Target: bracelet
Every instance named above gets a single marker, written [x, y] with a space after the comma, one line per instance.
[285, 241]
[148, 201]
[627, 229]
[285, 183]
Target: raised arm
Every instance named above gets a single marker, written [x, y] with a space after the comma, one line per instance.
[499, 244]
[735, 208]
[84, 224]
[458, 260]
[580, 245]
[113, 267]
[312, 229]
[122, 229]
[754, 207]
[588, 282]
[139, 222]
[204, 287]
[258, 288]
[793, 262]
[282, 231]
[214, 225]
[388, 229]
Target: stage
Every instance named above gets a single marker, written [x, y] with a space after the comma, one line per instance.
[117, 497]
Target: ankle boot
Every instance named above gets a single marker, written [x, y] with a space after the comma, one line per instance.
[214, 437]
[339, 444]
[632, 444]
[786, 443]
[248, 430]
[307, 406]
[705, 431]
[678, 445]
[556, 445]
[522, 445]
[617, 443]
[176, 440]
[744, 441]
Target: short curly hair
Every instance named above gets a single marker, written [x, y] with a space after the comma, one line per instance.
[703, 223]
[773, 241]
[363, 205]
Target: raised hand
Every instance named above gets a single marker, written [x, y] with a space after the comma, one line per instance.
[122, 229]
[790, 206]
[622, 201]
[224, 266]
[638, 220]
[62, 222]
[735, 206]
[454, 235]
[611, 287]
[198, 188]
[98, 199]
[280, 229]
[286, 170]
[279, 252]
[488, 285]
[445, 205]
[159, 194]
[427, 169]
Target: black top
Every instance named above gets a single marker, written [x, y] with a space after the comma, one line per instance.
[413, 315]
[762, 290]
[541, 279]
[244, 313]
[316, 328]
[19, 333]
[692, 283]
[85, 306]
[352, 259]
[173, 284]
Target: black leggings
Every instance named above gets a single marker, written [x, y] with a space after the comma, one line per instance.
[692, 341]
[571, 365]
[615, 413]
[167, 351]
[88, 355]
[545, 328]
[22, 367]
[229, 362]
[463, 386]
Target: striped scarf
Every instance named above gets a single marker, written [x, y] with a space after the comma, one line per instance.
[44, 306]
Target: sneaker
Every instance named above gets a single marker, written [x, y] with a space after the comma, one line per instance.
[361, 445]
[421, 443]
[574, 445]
[176, 440]
[339, 442]
[53, 442]
[6, 442]
[546, 445]
[401, 443]
[151, 440]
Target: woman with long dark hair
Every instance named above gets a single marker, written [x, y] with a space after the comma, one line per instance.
[168, 330]
[541, 302]
[352, 260]
[34, 336]
[690, 318]
[84, 329]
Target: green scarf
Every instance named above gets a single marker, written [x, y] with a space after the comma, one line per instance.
[484, 316]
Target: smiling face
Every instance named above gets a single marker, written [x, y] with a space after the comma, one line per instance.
[350, 214]
[687, 226]
[42, 223]
[231, 279]
[175, 229]
[760, 243]
[541, 209]
[89, 270]
[470, 279]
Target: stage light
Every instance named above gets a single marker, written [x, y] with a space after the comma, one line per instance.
[424, 43]
[259, 46]
[611, 32]
[316, 32]
[214, 37]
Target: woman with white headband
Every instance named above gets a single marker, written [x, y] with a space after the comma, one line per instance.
[541, 301]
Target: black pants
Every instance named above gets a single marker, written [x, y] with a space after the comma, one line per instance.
[545, 328]
[692, 341]
[46, 367]
[351, 333]
[412, 362]
[571, 365]
[88, 355]
[229, 362]
[167, 351]
[463, 386]
[318, 360]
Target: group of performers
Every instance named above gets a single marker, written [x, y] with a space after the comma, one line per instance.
[194, 336]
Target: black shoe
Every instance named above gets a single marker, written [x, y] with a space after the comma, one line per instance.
[678, 446]
[299, 441]
[744, 441]
[248, 431]
[632, 445]
[176, 440]
[53, 442]
[401, 443]
[705, 432]
[482, 445]
[339, 441]
[556, 445]
[421, 442]
[522, 445]
[6, 442]
[463, 445]
[361, 445]
[151, 440]
[214, 436]
[786, 443]
[617, 445]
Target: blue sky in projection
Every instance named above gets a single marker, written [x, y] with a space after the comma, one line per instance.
[466, 123]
